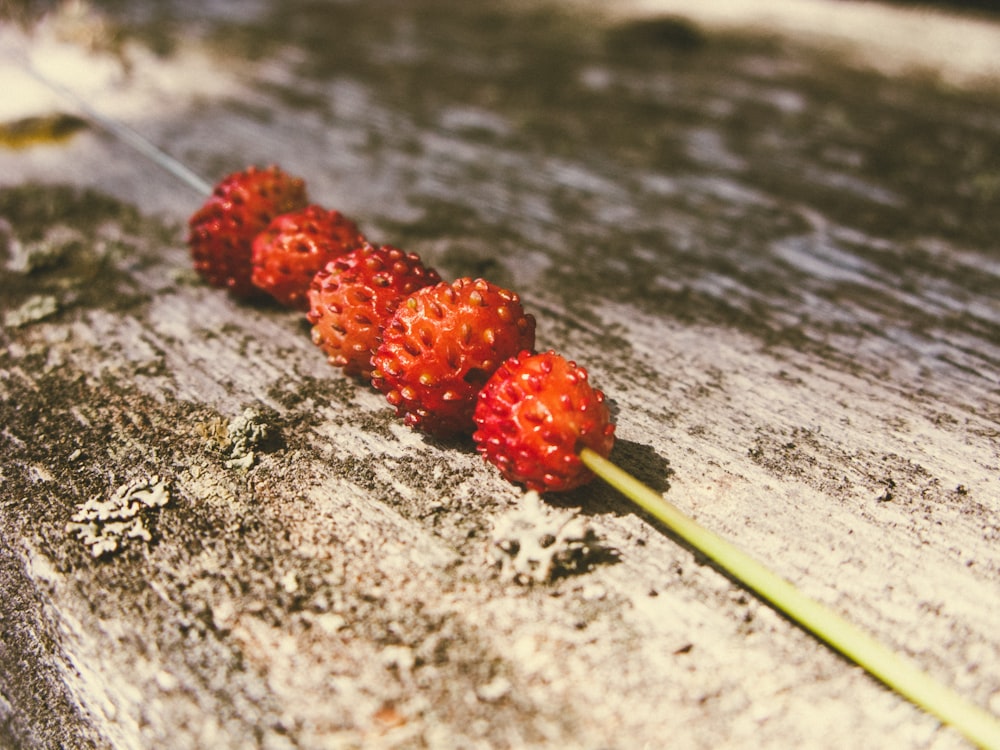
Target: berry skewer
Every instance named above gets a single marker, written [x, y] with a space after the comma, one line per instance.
[458, 357]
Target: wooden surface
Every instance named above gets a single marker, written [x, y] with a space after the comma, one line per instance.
[780, 263]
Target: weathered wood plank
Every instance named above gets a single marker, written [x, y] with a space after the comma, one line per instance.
[780, 265]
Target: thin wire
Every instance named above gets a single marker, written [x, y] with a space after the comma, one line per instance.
[124, 133]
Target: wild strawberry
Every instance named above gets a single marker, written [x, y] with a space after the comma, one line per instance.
[440, 347]
[287, 255]
[353, 296]
[533, 416]
[223, 229]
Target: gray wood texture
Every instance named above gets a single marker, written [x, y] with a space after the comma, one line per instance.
[776, 256]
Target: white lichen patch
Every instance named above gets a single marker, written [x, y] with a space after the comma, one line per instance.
[237, 439]
[35, 308]
[535, 542]
[105, 526]
[49, 252]
[494, 690]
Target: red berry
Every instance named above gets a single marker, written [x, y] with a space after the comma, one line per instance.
[353, 296]
[223, 229]
[533, 416]
[287, 255]
[440, 347]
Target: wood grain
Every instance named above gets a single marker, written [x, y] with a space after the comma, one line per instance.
[779, 264]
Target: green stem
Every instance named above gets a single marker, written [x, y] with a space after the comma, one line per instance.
[891, 668]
